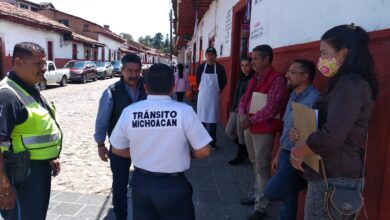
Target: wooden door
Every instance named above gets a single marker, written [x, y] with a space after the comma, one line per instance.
[50, 50]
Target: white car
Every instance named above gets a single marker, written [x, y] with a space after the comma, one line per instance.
[54, 75]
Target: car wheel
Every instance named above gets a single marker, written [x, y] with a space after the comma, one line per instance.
[84, 79]
[42, 85]
[63, 81]
[104, 75]
[95, 78]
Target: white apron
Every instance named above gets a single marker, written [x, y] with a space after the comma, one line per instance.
[208, 97]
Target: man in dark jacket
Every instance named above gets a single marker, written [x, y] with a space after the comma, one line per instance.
[115, 98]
[211, 79]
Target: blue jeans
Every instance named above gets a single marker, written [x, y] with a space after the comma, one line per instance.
[161, 197]
[284, 186]
[120, 180]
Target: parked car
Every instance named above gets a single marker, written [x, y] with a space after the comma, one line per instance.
[104, 69]
[54, 75]
[82, 71]
[117, 64]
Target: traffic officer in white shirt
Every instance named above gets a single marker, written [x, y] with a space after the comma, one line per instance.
[162, 136]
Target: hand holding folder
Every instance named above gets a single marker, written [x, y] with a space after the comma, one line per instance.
[258, 101]
[305, 121]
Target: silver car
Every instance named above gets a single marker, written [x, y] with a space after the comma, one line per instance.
[104, 69]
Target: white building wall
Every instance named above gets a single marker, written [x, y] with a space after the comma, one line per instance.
[217, 22]
[80, 51]
[281, 23]
[181, 57]
[206, 29]
[224, 27]
[110, 44]
[15, 33]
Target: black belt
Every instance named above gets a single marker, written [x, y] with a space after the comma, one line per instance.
[157, 173]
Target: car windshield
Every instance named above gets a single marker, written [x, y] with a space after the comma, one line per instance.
[74, 64]
[100, 64]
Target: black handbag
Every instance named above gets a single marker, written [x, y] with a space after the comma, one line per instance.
[343, 203]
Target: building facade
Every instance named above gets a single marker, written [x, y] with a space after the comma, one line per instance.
[293, 29]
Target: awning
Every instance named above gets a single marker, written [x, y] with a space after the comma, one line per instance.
[86, 40]
[127, 50]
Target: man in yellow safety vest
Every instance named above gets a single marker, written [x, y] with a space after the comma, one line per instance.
[30, 137]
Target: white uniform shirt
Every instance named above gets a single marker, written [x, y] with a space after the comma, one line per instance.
[159, 132]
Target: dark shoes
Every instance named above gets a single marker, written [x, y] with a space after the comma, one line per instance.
[241, 156]
[248, 201]
[257, 215]
[237, 160]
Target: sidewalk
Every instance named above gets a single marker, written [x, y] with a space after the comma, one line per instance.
[218, 188]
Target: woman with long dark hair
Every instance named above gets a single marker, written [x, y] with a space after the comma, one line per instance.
[181, 82]
[233, 127]
[344, 113]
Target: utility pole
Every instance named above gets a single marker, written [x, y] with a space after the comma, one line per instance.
[170, 36]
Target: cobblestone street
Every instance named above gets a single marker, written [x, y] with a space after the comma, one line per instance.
[81, 169]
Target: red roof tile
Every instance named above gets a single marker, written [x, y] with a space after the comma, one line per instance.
[30, 18]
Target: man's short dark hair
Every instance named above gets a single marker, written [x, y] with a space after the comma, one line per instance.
[25, 50]
[264, 51]
[308, 66]
[159, 79]
[131, 58]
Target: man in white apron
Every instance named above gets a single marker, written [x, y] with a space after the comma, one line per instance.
[211, 78]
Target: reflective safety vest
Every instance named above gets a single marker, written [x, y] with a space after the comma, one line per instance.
[39, 134]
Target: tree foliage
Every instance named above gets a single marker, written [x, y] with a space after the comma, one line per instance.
[126, 36]
[157, 42]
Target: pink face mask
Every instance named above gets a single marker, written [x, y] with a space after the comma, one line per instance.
[328, 67]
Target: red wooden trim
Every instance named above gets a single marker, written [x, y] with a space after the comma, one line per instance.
[380, 34]
[297, 47]
[223, 59]
[239, 6]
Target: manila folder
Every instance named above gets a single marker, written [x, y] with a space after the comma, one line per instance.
[259, 100]
[305, 121]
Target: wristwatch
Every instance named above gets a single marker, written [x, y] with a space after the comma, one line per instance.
[101, 144]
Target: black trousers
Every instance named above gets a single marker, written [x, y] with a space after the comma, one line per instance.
[33, 195]
[212, 129]
[161, 197]
[180, 96]
[120, 180]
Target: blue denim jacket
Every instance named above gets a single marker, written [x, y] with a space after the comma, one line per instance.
[306, 98]
[104, 113]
